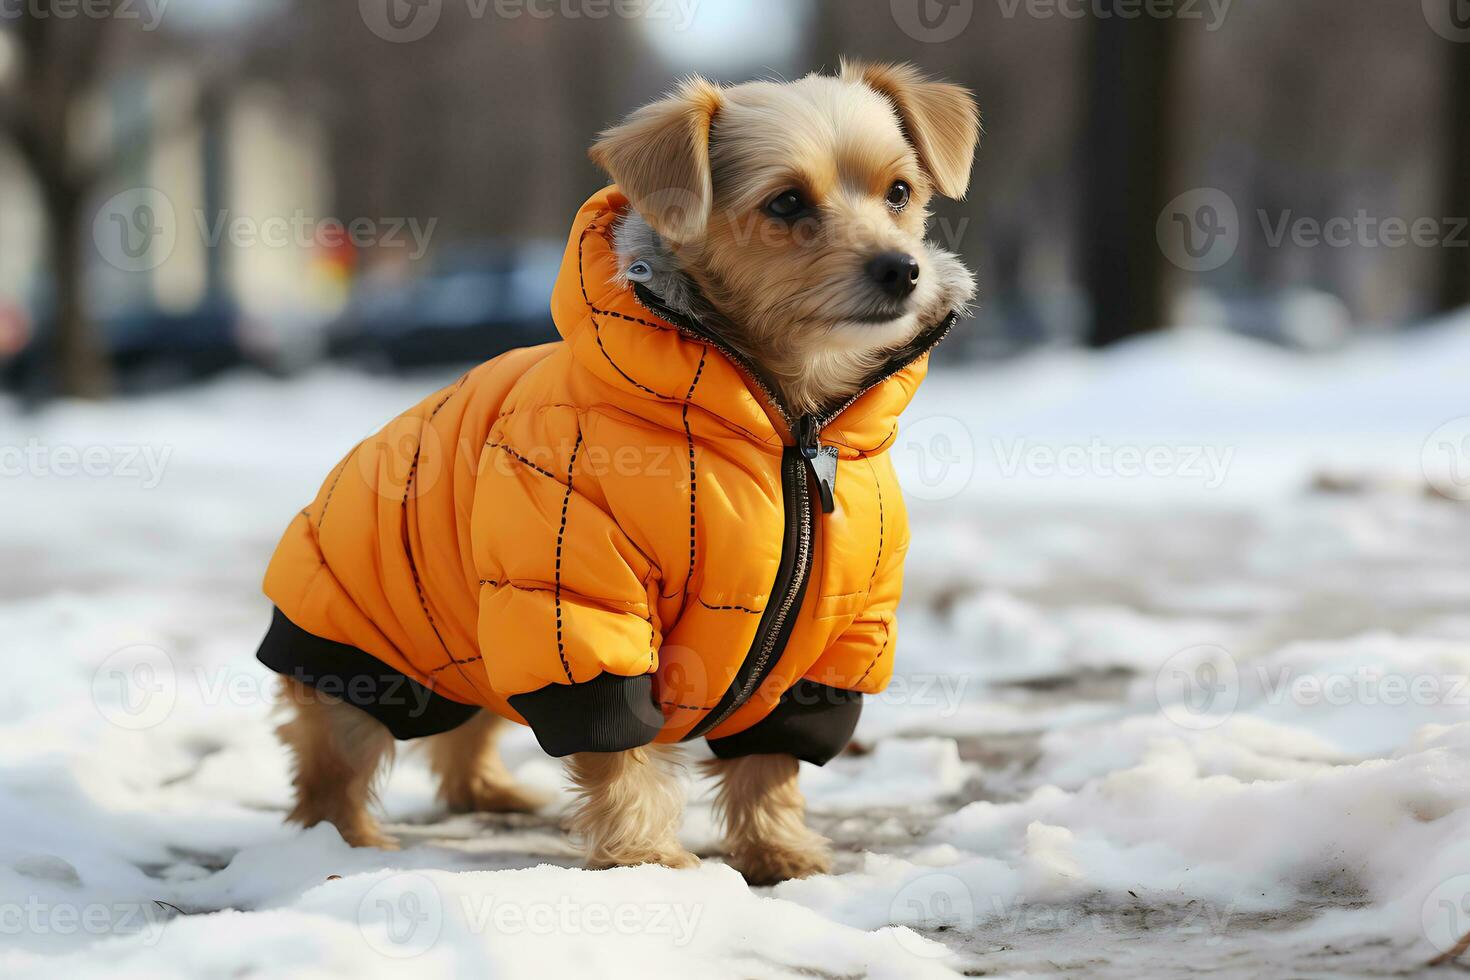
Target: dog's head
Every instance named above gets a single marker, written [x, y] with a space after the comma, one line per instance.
[798, 209]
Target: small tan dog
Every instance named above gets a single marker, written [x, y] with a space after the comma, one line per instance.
[789, 218]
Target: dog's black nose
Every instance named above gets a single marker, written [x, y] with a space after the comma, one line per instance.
[896, 273]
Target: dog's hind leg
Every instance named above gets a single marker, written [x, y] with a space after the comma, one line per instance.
[337, 751]
[766, 835]
[628, 807]
[471, 775]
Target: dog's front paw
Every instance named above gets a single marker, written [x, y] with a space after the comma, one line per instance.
[487, 796]
[768, 866]
[670, 856]
[357, 829]
[366, 834]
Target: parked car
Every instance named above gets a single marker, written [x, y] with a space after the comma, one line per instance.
[174, 345]
[1298, 319]
[148, 346]
[475, 303]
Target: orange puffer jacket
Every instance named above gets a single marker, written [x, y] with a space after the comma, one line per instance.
[617, 538]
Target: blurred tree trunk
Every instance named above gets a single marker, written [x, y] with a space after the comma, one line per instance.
[1125, 153]
[1454, 271]
[59, 60]
[81, 364]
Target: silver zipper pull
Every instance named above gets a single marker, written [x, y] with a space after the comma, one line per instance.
[821, 461]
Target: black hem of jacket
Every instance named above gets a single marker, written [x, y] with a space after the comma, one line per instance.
[608, 713]
[404, 706]
[812, 721]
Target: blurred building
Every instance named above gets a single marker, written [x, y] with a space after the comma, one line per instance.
[274, 110]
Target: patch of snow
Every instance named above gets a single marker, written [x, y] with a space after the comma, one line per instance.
[1140, 724]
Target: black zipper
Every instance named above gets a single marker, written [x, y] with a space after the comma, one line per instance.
[805, 463]
[787, 593]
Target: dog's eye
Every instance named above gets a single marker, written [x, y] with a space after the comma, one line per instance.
[898, 195]
[786, 205]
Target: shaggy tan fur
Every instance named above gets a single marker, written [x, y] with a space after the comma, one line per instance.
[700, 166]
[628, 807]
[472, 778]
[339, 752]
[766, 836]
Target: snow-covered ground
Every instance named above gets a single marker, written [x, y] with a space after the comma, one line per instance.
[1182, 687]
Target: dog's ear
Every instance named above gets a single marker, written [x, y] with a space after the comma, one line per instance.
[941, 120]
[659, 156]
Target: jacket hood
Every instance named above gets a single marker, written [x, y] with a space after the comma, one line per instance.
[617, 337]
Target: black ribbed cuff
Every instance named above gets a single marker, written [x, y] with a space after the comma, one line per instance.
[404, 706]
[812, 721]
[609, 713]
